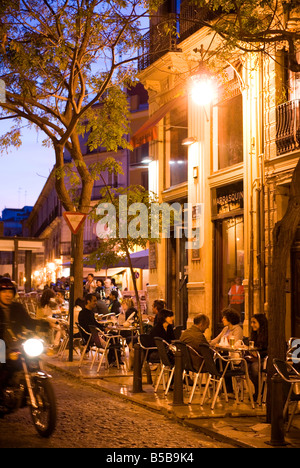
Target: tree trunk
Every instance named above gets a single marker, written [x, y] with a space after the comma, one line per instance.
[138, 302]
[78, 265]
[283, 237]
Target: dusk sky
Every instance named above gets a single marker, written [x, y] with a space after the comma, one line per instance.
[23, 171]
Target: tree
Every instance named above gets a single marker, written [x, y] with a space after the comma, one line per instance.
[251, 25]
[64, 64]
[127, 216]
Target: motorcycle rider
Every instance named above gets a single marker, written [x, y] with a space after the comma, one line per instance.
[13, 320]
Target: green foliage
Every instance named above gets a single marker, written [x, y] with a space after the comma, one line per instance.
[65, 64]
[107, 122]
[112, 249]
[249, 24]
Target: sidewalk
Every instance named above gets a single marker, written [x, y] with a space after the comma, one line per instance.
[230, 422]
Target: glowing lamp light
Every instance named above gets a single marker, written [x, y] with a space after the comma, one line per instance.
[202, 90]
[202, 86]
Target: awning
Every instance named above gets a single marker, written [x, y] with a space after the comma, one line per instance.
[138, 260]
[148, 131]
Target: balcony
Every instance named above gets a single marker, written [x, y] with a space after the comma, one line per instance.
[160, 39]
[288, 126]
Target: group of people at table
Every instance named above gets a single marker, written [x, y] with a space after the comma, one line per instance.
[232, 331]
[161, 323]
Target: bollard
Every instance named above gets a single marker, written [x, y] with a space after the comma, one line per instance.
[178, 383]
[148, 373]
[277, 404]
[137, 370]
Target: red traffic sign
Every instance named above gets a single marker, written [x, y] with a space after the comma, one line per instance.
[74, 220]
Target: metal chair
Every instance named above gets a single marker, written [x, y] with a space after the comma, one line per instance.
[146, 343]
[166, 363]
[109, 342]
[86, 339]
[218, 376]
[187, 353]
[291, 377]
[66, 339]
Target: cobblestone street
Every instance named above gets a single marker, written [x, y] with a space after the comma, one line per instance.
[89, 418]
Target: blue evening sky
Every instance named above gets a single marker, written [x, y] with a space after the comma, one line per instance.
[24, 171]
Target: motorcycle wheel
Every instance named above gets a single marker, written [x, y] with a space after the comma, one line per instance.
[44, 417]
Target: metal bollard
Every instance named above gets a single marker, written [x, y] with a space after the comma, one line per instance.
[178, 383]
[137, 370]
[277, 404]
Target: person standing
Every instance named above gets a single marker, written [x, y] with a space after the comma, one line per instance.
[90, 285]
[237, 296]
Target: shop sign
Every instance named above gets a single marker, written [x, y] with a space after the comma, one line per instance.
[230, 202]
[228, 198]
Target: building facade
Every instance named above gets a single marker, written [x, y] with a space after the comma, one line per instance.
[234, 173]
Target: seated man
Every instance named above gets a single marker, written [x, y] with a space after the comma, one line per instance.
[194, 336]
[114, 306]
[87, 321]
[86, 318]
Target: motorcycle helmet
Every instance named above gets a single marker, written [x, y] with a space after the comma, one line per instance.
[6, 283]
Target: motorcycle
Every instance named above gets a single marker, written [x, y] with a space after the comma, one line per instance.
[29, 385]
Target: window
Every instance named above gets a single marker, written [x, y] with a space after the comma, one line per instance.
[139, 154]
[228, 122]
[176, 130]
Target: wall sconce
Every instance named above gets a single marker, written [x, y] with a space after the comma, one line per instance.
[147, 160]
[188, 141]
[195, 172]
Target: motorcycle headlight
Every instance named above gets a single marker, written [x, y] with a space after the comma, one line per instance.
[33, 347]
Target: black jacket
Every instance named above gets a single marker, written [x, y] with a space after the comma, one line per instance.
[86, 318]
[19, 320]
[158, 330]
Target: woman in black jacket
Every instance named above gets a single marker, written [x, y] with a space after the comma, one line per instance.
[163, 329]
[259, 335]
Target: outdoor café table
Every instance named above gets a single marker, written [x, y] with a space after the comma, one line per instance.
[121, 328]
[243, 350]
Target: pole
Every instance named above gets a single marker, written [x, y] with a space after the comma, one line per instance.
[178, 383]
[137, 370]
[277, 404]
[72, 299]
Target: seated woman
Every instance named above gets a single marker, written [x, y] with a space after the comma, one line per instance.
[259, 335]
[231, 321]
[128, 309]
[163, 329]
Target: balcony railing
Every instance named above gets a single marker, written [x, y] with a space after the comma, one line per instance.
[160, 39]
[288, 126]
[191, 18]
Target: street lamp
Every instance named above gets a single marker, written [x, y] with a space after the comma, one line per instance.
[202, 86]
